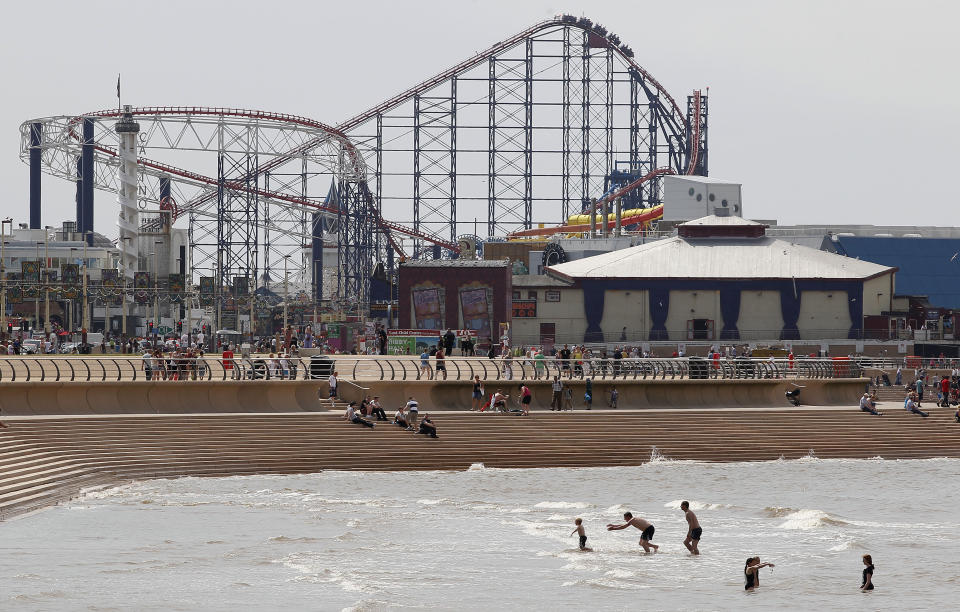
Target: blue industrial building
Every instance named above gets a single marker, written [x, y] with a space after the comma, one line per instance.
[926, 266]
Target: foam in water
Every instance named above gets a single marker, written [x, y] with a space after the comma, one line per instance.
[561, 505]
[475, 466]
[810, 519]
[695, 505]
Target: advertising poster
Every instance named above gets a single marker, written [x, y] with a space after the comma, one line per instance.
[14, 293]
[109, 278]
[426, 308]
[241, 286]
[30, 271]
[176, 285]
[141, 285]
[71, 274]
[411, 341]
[206, 291]
[473, 305]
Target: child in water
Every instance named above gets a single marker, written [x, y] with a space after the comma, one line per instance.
[583, 536]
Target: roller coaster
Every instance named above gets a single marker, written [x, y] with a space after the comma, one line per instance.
[526, 132]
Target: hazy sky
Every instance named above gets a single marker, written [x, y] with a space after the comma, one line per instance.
[827, 112]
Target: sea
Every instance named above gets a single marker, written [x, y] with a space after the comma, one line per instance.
[495, 539]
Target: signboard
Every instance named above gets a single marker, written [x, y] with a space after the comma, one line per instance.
[411, 341]
[109, 278]
[30, 271]
[71, 274]
[241, 286]
[141, 284]
[206, 291]
[426, 308]
[523, 309]
[176, 284]
[473, 306]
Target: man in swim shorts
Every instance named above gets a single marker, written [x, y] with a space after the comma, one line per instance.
[645, 527]
[694, 531]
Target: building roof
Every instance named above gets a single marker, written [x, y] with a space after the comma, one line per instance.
[456, 263]
[926, 266]
[538, 280]
[719, 258]
[718, 221]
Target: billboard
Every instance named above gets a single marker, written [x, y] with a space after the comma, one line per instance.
[30, 271]
[71, 274]
[141, 286]
[206, 291]
[524, 309]
[109, 278]
[176, 285]
[426, 308]
[476, 314]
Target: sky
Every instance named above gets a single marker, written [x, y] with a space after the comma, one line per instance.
[827, 112]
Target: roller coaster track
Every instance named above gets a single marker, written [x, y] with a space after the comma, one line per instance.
[356, 161]
[676, 116]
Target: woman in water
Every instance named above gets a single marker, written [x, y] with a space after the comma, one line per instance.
[867, 584]
[751, 572]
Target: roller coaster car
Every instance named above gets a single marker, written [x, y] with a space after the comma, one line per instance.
[568, 19]
[553, 254]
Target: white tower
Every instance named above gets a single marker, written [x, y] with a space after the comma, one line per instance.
[129, 219]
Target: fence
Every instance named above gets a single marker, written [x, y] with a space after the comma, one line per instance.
[392, 368]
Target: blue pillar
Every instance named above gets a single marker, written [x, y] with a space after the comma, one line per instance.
[86, 162]
[36, 133]
[79, 196]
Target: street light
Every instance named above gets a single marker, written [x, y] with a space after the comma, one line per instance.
[123, 293]
[46, 285]
[286, 292]
[3, 272]
[156, 285]
[36, 300]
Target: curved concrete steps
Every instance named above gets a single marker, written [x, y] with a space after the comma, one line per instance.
[45, 460]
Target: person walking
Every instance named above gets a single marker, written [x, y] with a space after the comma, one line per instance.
[413, 412]
[525, 397]
[694, 531]
[557, 391]
[441, 364]
[332, 383]
[588, 394]
[477, 395]
[425, 364]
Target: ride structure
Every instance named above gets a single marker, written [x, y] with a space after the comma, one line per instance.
[525, 132]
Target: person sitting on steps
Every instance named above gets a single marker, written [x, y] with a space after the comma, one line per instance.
[427, 426]
[353, 416]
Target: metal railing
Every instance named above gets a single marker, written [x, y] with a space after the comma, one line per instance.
[410, 368]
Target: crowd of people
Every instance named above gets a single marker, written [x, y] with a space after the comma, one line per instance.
[406, 417]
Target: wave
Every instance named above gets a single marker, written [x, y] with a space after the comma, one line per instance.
[283, 538]
[476, 466]
[561, 505]
[810, 519]
[778, 511]
[695, 505]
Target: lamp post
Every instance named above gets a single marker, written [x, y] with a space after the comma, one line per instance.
[36, 300]
[3, 272]
[156, 285]
[73, 258]
[46, 285]
[123, 293]
[286, 291]
[85, 304]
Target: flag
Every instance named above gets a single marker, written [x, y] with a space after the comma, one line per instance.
[118, 87]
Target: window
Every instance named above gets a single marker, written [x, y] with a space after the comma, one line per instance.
[516, 294]
[551, 296]
[531, 295]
